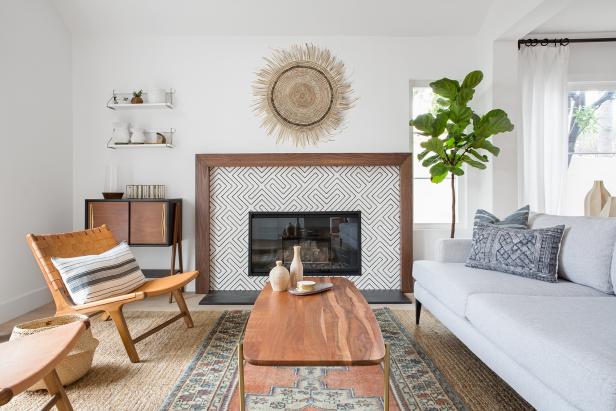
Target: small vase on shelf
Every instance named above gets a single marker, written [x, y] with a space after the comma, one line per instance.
[596, 199]
[297, 269]
[279, 277]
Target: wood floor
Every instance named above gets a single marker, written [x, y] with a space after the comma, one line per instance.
[160, 303]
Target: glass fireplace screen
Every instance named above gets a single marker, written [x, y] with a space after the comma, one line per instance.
[330, 241]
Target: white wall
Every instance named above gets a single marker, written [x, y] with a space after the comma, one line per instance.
[36, 154]
[593, 61]
[213, 78]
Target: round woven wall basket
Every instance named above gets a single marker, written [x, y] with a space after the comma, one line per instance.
[302, 94]
[79, 360]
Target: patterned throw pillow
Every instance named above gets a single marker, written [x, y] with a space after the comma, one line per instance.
[95, 277]
[519, 218]
[527, 253]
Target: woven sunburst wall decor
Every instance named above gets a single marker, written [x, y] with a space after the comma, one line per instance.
[302, 94]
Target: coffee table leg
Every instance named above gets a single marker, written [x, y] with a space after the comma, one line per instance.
[240, 367]
[386, 377]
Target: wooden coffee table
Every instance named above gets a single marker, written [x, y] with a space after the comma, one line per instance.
[334, 328]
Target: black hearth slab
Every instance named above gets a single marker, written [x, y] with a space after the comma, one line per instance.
[232, 297]
[385, 297]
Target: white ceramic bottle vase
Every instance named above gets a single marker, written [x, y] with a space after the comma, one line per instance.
[596, 199]
[279, 277]
[297, 269]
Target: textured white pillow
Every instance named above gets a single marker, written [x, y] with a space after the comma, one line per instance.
[95, 277]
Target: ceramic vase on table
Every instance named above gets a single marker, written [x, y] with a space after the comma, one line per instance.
[297, 269]
[596, 199]
[279, 277]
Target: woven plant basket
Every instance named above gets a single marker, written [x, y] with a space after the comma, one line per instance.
[78, 362]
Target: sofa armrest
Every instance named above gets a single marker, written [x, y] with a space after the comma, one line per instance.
[453, 250]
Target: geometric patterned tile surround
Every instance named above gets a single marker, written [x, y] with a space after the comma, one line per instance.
[373, 190]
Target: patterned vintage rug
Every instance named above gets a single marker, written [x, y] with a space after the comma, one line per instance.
[196, 370]
[210, 381]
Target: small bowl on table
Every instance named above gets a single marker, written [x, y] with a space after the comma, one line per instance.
[112, 196]
[306, 285]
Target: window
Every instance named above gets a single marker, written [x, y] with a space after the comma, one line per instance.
[431, 202]
[591, 142]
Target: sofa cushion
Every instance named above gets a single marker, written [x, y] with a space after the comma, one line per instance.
[527, 253]
[517, 219]
[453, 283]
[587, 249]
[569, 343]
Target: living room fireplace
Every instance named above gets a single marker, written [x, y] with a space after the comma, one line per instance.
[330, 241]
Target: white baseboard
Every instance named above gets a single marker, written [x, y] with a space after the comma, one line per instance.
[24, 303]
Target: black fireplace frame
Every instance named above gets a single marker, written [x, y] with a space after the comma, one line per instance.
[300, 214]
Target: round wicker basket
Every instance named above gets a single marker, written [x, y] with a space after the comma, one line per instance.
[78, 362]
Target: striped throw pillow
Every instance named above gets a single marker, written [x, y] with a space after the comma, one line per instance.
[91, 278]
[518, 219]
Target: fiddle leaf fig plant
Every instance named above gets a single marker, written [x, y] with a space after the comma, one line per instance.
[456, 134]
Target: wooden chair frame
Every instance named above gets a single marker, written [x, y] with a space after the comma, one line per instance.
[96, 241]
[25, 361]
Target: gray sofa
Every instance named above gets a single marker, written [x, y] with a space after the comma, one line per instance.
[554, 343]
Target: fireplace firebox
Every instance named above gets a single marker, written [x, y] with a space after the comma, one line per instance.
[330, 241]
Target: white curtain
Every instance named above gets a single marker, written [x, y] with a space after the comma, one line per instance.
[543, 78]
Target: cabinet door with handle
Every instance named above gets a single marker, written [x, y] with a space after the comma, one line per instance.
[113, 214]
[149, 222]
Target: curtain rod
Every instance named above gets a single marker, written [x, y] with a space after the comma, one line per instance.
[563, 41]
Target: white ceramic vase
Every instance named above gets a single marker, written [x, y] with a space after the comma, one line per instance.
[297, 269]
[279, 277]
[596, 199]
[609, 209]
[120, 133]
[138, 136]
[156, 96]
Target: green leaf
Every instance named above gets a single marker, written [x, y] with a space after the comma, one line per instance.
[473, 163]
[465, 95]
[438, 169]
[439, 178]
[480, 157]
[488, 146]
[436, 145]
[457, 171]
[493, 122]
[421, 155]
[460, 114]
[472, 79]
[440, 122]
[446, 88]
[424, 123]
[430, 160]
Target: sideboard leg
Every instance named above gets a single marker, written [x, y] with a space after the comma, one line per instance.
[386, 366]
[240, 368]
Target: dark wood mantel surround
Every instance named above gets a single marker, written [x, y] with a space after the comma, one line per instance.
[203, 163]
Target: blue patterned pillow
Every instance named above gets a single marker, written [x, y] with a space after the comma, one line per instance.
[527, 253]
[518, 219]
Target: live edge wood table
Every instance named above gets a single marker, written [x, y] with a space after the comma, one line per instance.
[332, 328]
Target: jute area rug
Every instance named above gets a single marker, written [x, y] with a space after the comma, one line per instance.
[196, 370]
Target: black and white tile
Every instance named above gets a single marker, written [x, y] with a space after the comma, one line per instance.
[234, 191]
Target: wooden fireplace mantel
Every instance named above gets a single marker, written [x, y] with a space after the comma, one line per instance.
[203, 163]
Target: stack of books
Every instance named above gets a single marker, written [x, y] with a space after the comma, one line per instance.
[146, 191]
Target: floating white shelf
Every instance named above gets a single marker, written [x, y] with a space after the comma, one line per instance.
[142, 106]
[123, 146]
[168, 133]
[120, 100]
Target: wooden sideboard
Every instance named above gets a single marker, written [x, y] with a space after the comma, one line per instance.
[141, 223]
